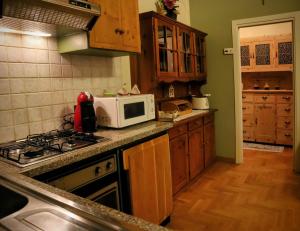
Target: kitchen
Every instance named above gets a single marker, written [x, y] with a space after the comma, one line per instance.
[111, 75]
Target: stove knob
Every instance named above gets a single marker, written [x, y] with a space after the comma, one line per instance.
[97, 170]
[109, 165]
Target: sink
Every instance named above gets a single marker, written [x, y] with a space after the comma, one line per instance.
[10, 201]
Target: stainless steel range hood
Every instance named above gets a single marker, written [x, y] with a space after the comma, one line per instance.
[48, 16]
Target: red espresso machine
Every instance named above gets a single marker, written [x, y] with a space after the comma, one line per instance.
[84, 117]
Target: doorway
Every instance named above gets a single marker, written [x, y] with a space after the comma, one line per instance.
[294, 19]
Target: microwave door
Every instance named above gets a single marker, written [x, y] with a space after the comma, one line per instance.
[132, 111]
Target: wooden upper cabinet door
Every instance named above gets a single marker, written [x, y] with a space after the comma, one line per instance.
[196, 152]
[165, 50]
[179, 162]
[284, 53]
[185, 57]
[199, 55]
[130, 29]
[263, 55]
[105, 33]
[118, 26]
[247, 56]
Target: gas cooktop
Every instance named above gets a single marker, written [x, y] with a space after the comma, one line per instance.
[39, 147]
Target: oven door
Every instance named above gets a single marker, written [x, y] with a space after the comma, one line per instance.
[108, 196]
[132, 111]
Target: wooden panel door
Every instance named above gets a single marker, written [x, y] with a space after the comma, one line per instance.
[179, 162]
[150, 179]
[265, 121]
[130, 29]
[106, 32]
[196, 152]
[200, 55]
[165, 50]
[209, 141]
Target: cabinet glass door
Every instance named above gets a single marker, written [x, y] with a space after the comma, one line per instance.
[246, 56]
[200, 56]
[285, 53]
[185, 53]
[166, 49]
[264, 54]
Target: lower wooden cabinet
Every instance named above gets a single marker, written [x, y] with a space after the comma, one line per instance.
[192, 149]
[148, 165]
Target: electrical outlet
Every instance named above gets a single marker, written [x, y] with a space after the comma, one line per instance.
[228, 51]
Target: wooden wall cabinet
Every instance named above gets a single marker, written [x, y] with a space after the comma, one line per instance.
[149, 170]
[192, 149]
[268, 117]
[171, 51]
[118, 26]
[269, 53]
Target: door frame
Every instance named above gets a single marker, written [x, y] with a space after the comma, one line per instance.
[293, 17]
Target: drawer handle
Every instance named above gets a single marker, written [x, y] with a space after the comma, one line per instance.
[287, 109]
[244, 120]
[287, 135]
[265, 97]
[287, 122]
[286, 97]
[244, 108]
[243, 96]
[244, 132]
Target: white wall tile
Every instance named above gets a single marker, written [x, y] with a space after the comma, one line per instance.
[6, 118]
[76, 71]
[48, 125]
[5, 102]
[13, 40]
[31, 85]
[57, 97]
[4, 86]
[42, 56]
[52, 43]
[21, 131]
[86, 71]
[6, 134]
[58, 110]
[20, 116]
[68, 96]
[43, 70]
[34, 114]
[34, 42]
[47, 112]
[66, 59]
[66, 71]
[55, 70]
[54, 57]
[17, 85]
[3, 70]
[14, 55]
[15, 70]
[67, 83]
[45, 98]
[3, 53]
[30, 70]
[35, 128]
[33, 100]
[29, 55]
[45, 84]
[57, 84]
[2, 39]
[18, 101]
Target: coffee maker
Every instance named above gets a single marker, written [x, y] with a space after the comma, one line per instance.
[84, 117]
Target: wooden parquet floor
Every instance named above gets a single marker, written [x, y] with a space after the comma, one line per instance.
[263, 194]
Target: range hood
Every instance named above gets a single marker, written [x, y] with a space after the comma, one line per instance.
[55, 17]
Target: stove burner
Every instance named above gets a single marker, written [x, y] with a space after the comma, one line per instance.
[37, 147]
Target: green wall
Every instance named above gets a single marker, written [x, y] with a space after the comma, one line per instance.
[215, 18]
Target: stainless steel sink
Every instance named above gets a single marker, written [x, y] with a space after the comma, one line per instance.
[10, 201]
[23, 209]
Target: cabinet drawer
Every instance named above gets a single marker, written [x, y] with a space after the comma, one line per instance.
[247, 108]
[247, 98]
[195, 124]
[285, 122]
[264, 98]
[248, 134]
[177, 131]
[284, 137]
[209, 119]
[284, 110]
[248, 120]
[284, 98]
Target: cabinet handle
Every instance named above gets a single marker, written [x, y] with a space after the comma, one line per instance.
[265, 97]
[287, 109]
[243, 96]
[287, 122]
[286, 97]
[117, 30]
[121, 32]
[244, 120]
[244, 132]
[244, 108]
[287, 135]
[256, 121]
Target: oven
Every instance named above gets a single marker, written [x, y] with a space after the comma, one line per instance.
[96, 179]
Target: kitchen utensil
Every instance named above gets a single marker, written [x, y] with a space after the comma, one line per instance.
[200, 102]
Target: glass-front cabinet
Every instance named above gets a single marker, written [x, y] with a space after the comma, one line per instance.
[200, 55]
[185, 49]
[284, 52]
[166, 47]
[263, 54]
[247, 56]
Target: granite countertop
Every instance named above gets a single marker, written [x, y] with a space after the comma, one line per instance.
[119, 137]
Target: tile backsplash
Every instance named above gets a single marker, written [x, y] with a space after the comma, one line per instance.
[38, 85]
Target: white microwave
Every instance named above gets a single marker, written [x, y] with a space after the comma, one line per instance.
[123, 111]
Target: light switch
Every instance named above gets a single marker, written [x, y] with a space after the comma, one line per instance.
[228, 51]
